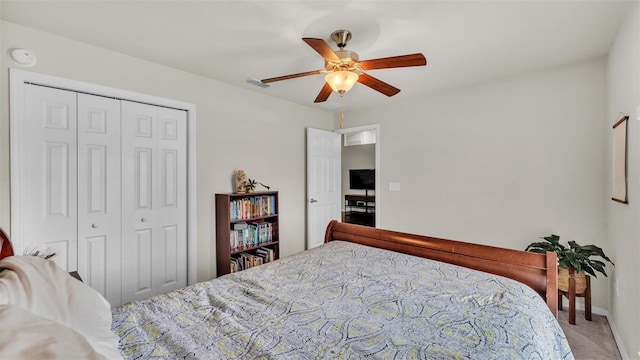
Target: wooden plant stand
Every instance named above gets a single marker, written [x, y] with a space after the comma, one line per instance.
[571, 295]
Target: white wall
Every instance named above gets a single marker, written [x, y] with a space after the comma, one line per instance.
[623, 230]
[501, 163]
[236, 129]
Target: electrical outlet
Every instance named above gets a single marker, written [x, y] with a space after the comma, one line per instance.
[394, 186]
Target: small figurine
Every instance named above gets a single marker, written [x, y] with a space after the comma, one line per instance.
[241, 181]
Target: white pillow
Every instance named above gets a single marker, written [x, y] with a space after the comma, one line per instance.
[41, 287]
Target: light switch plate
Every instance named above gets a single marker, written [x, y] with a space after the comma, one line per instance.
[394, 186]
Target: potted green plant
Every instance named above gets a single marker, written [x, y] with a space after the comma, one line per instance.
[575, 258]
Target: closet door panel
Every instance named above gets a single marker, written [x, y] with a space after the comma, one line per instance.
[95, 175]
[170, 273]
[142, 178]
[50, 172]
[99, 194]
[56, 169]
[172, 195]
[94, 260]
[140, 246]
[142, 252]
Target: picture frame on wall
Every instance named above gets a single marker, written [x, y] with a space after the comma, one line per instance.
[619, 179]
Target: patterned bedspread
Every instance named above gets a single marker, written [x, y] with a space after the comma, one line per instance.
[344, 301]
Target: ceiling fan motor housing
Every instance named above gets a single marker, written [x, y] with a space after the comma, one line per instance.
[348, 61]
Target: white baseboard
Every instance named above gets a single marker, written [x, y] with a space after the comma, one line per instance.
[605, 313]
[580, 307]
[616, 337]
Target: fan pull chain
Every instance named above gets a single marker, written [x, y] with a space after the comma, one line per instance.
[341, 113]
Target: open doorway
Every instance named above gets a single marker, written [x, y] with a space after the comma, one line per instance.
[360, 174]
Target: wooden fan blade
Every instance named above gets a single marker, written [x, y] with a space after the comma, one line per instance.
[377, 85]
[292, 76]
[394, 62]
[323, 49]
[324, 93]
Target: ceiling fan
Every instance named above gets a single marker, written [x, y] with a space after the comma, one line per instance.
[344, 68]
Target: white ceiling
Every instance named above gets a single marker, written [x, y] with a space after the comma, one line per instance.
[465, 42]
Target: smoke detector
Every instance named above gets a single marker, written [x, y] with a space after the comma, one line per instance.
[21, 57]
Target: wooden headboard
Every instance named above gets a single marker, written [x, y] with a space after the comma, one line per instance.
[5, 245]
[539, 271]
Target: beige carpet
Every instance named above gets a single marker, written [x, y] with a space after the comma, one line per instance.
[589, 339]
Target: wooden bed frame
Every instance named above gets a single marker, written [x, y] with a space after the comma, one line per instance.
[539, 271]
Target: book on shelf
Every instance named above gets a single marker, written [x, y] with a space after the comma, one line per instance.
[266, 252]
[240, 225]
[235, 266]
[252, 207]
[253, 235]
[246, 260]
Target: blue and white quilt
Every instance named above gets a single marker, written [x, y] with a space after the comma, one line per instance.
[344, 301]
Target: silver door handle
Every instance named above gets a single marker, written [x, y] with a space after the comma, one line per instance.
[313, 201]
[143, 219]
[94, 226]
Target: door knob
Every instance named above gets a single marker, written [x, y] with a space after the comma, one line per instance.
[143, 219]
[313, 201]
[94, 226]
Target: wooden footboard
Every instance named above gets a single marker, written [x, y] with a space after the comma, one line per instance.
[538, 271]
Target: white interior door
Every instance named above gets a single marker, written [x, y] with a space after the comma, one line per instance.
[50, 176]
[99, 233]
[154, 200]
[323, 183]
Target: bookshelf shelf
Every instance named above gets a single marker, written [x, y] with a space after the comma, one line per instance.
[258, 218]
[247, 230]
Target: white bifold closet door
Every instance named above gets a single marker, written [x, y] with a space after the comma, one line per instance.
[154, 233]
[106, 189]
[50, 181]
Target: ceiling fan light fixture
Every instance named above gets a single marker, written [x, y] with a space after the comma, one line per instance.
[341, 81]
[344, 68]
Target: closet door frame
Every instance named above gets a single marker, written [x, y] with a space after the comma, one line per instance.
[17, 80]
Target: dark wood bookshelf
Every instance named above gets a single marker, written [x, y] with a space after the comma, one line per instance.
[225, 223]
